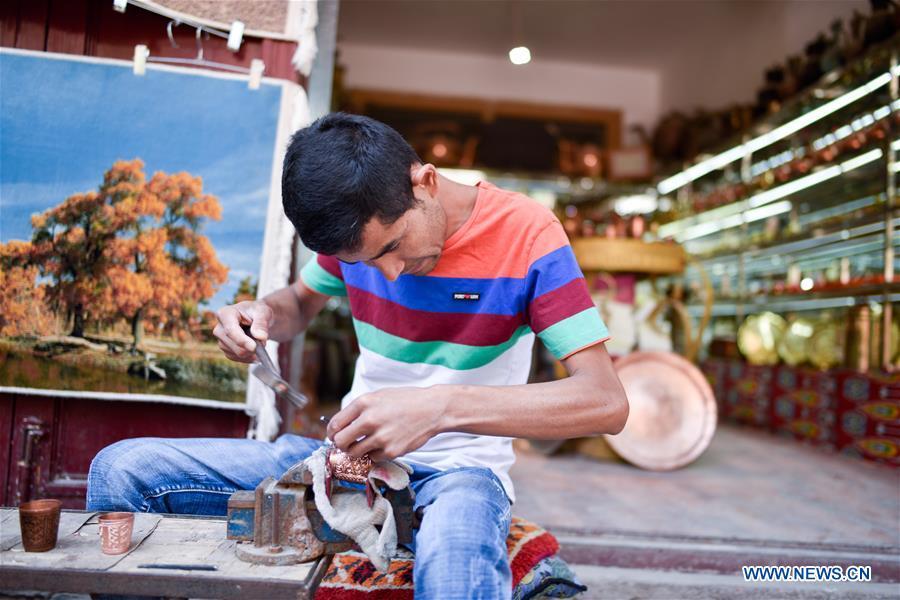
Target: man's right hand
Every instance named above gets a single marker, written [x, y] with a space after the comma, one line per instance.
[232, 340]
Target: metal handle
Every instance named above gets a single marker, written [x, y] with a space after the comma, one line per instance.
[269, 374]
[32, 429]
[261, 353]
[33, 432]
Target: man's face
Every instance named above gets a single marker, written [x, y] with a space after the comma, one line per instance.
[411, 245]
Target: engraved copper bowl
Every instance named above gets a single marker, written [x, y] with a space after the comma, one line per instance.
[672, 414]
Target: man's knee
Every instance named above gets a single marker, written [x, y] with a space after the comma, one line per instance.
[465, 508]
[116, 474]
[461, 545]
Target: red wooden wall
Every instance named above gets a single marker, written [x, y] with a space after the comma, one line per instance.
[47, 443]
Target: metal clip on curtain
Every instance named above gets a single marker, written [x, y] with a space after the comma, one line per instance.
[234, 36]
[142, 57]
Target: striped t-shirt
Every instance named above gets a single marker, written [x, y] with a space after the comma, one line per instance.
[507, 273]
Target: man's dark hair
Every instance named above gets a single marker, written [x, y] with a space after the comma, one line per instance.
[341, 171]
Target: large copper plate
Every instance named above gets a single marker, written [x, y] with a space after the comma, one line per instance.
[673, 411]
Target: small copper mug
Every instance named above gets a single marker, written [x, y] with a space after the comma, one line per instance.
[115, 532]
[39, 522]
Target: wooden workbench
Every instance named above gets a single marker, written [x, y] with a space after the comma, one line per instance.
[751, 498]
[77, 564]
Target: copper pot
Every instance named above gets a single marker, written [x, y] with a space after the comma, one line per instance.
[39, 522]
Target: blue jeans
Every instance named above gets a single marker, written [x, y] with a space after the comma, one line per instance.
[460, 547]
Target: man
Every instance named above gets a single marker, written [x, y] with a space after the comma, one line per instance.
[447, 283]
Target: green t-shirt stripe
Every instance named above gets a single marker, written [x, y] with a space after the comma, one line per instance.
[319, 280]
[447, 354]
[572, 333]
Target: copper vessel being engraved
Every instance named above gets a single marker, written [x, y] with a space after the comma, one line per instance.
[115, 532]
[346, 468]
[39, 522]
[672, 414]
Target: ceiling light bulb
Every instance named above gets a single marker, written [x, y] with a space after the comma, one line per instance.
[520, 55]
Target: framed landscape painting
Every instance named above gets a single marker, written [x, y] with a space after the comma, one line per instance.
[131, 209]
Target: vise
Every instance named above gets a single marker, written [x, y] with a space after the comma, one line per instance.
[278, 522]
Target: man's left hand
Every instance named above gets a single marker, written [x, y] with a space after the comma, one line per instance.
[388, 423]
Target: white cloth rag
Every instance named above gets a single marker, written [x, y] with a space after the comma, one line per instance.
[350, 514]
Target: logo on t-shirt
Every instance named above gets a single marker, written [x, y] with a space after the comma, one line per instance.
[466, 296]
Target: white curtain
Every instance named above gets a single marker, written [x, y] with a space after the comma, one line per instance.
[279, 236]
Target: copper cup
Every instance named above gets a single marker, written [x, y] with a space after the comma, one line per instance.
[39, 522]
[115, 532]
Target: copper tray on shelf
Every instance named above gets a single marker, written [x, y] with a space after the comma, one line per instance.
[627, 255]
[672, 415]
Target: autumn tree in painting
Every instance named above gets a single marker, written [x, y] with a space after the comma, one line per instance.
[246, 290]
[23, 310]
[133, 249]
[69, 247]
[162, 266]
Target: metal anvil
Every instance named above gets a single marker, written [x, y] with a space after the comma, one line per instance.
[281, 520]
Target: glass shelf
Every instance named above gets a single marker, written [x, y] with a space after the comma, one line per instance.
[808, 202]
[863, 226]
[834, 92]
[795, 303]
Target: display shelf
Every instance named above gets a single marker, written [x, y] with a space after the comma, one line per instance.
[848, 179]
[834, 91]
[844, 77]
[819, 221]
[809, 202]
[832, 262]
[861, 227]
[806, 301]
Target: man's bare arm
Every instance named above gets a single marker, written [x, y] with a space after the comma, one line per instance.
[294, 307]
[590, 401]
[395, 421]
[278, 316]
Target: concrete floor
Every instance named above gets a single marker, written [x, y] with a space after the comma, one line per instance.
[752, 498]
[748, 484]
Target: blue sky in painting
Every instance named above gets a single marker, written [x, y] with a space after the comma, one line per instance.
[64, 122]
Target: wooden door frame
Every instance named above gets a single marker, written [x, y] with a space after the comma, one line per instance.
[360, 99]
